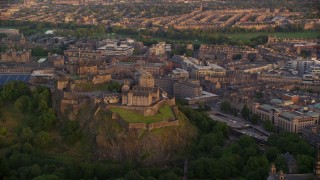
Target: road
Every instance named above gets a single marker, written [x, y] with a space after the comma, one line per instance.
[240, 125]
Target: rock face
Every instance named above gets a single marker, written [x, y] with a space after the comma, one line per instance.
[141, 146]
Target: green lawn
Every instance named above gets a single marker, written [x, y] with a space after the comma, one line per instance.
[133, 117]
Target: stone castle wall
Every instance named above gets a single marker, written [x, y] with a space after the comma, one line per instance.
[150, 126]
[150, 110]
[137, 126]
[162, 124]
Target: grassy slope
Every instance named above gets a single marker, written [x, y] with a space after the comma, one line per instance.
[130, 116]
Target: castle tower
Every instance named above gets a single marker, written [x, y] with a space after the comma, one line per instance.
[146, 80]
[317, 165]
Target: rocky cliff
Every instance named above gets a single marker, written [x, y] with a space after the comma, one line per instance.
[111, 141]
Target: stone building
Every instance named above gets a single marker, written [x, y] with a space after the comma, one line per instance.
[101, 78]
[144, 94]
[16, 56]
[166, 84]
[88, 69]
[187, 89]
[82, 54]
[160, 49]
[311, 134]
[56, 60]
[141, 96]
[62, 83]
[287, 119]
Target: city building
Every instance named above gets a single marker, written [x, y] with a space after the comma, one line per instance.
[88, 69]
[179, 73]
[16, 56]
[160, 49]
[113, 49]
[198, 72]
[187, 89]
[286, 118]
[311, 134]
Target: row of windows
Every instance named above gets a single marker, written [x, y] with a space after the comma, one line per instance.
[287, 125]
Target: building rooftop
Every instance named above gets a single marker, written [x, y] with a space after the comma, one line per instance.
[317, 105]
[276, 101]
[288, 115]
[268, 107]
[312, 114]
[204, 95]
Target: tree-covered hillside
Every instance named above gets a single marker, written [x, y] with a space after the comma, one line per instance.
[35, 144]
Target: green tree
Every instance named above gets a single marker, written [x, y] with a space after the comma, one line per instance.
[4, 167]
[27, 148]
[268, 125]
[3, 131]
[169, 175]
[281, 163]
[26, 134]
[46, 120]
[23, 103]
[14, 89]
[47, 177]
[133, 175]
[256, 168]
[272, 153]
[202, 168]
[39, 51]
[42, 139]
[305, 163]
[225, 107]
[255, 118]
[35, 170]
[245, 112]
[258, 40]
